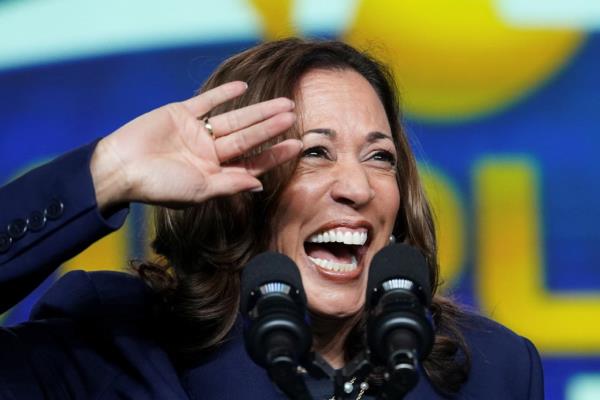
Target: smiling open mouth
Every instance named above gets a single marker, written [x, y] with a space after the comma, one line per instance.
[337, 250]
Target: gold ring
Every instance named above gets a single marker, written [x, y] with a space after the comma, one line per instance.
[208, 127]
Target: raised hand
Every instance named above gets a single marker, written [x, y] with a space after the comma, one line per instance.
[168, 157]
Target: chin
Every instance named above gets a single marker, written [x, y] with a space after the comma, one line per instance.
[343, 307]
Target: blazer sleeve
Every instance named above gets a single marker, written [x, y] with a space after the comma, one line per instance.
[504, 365]
[47, 216]
[536, 375]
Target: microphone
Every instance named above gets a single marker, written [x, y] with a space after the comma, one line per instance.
[399, 330]
[276, 335]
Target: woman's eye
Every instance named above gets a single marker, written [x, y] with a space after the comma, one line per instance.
[317, 151]
[385, 156]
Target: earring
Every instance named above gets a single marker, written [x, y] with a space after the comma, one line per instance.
[392, 239]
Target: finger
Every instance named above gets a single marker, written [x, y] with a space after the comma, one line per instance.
[204, 102]
[238, 143]
[272, 157]
[235, 120]
[231, 182]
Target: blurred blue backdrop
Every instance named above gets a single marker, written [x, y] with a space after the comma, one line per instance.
[501, 99]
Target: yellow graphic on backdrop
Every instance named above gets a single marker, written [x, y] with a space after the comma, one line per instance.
[510, 263]
[109, 253]
[276, 17]
[457, 59]
[453, 59]
[449, 217]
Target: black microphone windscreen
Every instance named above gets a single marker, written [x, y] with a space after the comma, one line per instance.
[269, 267]
[399, 261]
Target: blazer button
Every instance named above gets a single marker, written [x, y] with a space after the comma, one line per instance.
[5, 242]
[54, 210]
[17, 228]
[36, 221]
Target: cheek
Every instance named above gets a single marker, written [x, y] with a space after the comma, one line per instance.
[387, 198]
[291, 215]
[297, 205]
[394, 202]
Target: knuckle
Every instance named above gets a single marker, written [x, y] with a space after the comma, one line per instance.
[263, 112]
[231, 122]
[241, 144]
[271, 127]
[248, 165]
[212, 100]
[273, 159]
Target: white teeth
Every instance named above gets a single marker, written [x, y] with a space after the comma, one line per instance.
[348, 237]
[340, 236]
[335, 266]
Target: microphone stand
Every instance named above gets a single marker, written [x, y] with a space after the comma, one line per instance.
[399, 379]
[401, 376]
[282, 367]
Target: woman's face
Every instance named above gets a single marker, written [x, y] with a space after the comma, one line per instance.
[340, 206]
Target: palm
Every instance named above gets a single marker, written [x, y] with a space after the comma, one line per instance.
[169, 158]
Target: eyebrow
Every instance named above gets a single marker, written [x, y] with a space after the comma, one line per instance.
[371, 137]
[375, 136]
[322, 131]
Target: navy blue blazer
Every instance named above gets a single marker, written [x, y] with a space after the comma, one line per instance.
[90, 336]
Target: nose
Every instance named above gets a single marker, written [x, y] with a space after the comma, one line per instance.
[351, 185]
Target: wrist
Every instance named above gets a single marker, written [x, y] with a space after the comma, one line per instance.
[111, 183]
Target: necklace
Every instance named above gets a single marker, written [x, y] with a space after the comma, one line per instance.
[349, 388]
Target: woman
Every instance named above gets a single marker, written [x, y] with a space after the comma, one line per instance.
[338, 180]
